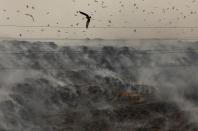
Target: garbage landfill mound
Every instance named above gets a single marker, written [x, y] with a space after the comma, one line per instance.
[45, 86]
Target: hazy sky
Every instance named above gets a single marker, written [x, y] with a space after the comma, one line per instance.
[111, 19]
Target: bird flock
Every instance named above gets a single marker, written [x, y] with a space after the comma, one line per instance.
[99, 13]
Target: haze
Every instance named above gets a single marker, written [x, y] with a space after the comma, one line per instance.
[111, 19]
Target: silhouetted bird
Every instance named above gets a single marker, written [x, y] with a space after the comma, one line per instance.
[30, 16]
[87, 17]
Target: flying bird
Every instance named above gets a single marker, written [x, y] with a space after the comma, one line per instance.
[87, 17]
[30, 16]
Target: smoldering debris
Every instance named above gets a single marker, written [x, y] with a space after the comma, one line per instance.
[49, 87]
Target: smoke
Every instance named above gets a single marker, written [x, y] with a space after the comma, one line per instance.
[175, 76]
[51, 81]
[179, 86]
[16, 76]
